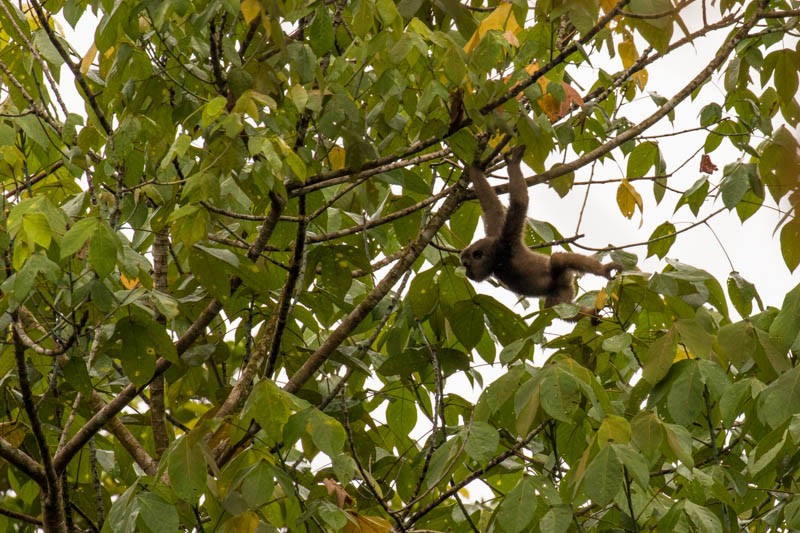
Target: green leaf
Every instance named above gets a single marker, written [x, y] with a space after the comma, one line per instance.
[467, 323]
[738, 342]
[37, 229]
[731, 402]
[679, 442]
[785, 328]
[526, 404]
[482, 442]
[401, 413]
[556, 520]
[213, 109]
[735, 183]
[695, 339]
[123, 514]
[327, 433]
[617, 343]
[211, 273]
[704, 519]
[296, 164]
[320, 31]
[741, 293]
[463, 144]
[186, 466]
[258, 485]
[710, 114]
[614, 428]
[781, 399]
[103, 250]
[661, 240]
[77, 236]
[790, 243]
[694, 196]
[685, 397]
[604, 477]
[635, 463]
[659, 357]
[159, 515]
[134, 346]
[269, 406]
[786, 67]
[641, 159]
[559, 394]
[441, 460]
[518, 507]
[422, 295]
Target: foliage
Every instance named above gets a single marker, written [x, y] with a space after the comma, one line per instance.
[224, 310]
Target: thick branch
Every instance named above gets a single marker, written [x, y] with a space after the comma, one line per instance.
[358, 314]
[35, 107]
[19, 329]
[22, 461]
[126, 438]
[20, 516]
[158, 420]
[52, 503]
[288, 291]
[42, 174]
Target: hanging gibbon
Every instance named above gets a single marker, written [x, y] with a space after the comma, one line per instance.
[504, 255]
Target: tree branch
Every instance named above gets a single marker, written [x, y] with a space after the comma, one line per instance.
[52, 502]
[349, 323]
[76, 71]
[288, 291]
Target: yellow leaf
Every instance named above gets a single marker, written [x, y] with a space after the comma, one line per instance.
[250, 10]
[607, 5]
[682, 353]
[366, 524]
[500, 19]
[336, 157]
[246, 104]
[602, 298]
[87, 60]
[128, 283]
[640, 78]
[627, 52]
[244, 523]
[628, 198]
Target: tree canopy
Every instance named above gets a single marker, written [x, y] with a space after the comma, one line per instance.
[231, 297]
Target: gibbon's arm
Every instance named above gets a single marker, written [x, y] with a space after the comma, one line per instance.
[493, 210]
[518, 199]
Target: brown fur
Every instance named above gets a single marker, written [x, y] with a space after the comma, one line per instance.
[503, 254]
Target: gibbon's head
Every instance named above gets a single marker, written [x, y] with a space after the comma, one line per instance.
[478, 259]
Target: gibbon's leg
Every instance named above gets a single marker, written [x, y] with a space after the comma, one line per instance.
[560, 261]
[562, 292]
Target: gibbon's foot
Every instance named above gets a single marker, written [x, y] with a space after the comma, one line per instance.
[610, 270]
[514, 156]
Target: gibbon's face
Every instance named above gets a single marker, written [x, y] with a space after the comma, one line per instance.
[478, 259]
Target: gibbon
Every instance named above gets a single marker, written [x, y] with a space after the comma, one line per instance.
[504, 255]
